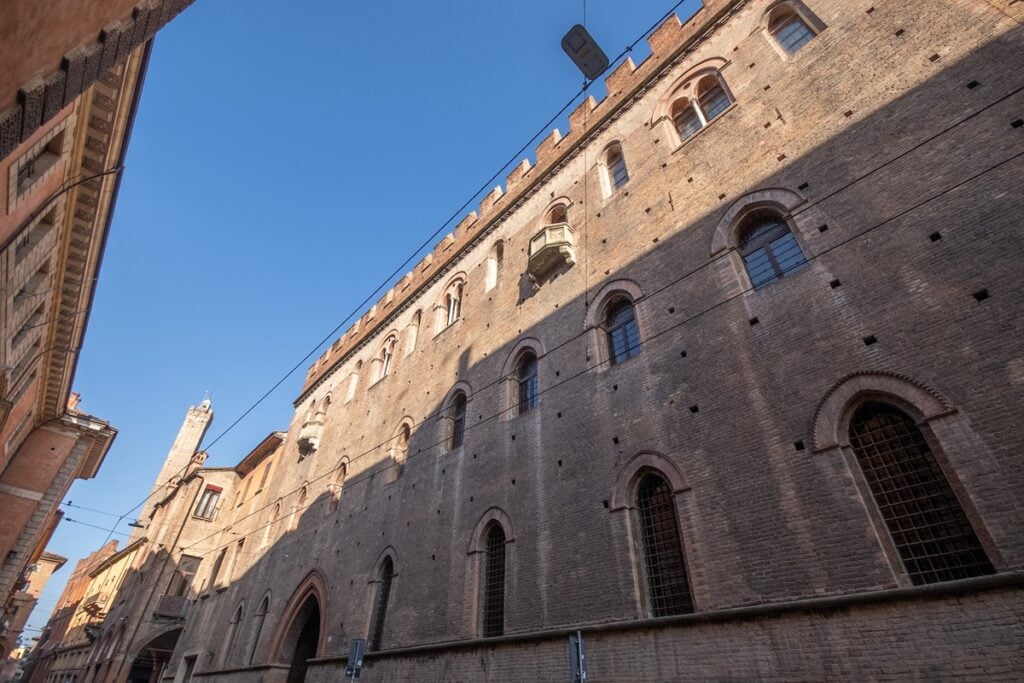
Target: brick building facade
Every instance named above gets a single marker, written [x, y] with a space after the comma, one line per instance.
[728, 380]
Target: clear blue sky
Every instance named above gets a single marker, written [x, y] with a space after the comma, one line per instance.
[287, 157]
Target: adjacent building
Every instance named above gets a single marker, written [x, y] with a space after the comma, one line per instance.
[726, 380]
[71, 78]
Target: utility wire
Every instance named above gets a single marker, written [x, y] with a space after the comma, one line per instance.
[646, 341]
[426, 243]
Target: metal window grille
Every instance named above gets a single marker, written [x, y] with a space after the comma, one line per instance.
[527, 383]
[617, 168]
[668, 586]
[494, 583]
[769, 250]
[458, 421]
[623, 335]
[713, 99]
[380, 604]
[793, 33]
[934, 538]
[686, 119]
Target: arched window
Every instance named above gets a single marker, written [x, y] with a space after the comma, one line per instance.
[457, 415]
[768, 247]
[494, 261]
[260, 618]
[620, 327]
[712, 97]
[559, 213]
[526, 381]
[380, 603]
[615, 167]
[273, 527]
[929, 528]
[789, 29]
[402, 445]
[387, 354]
[353, 382]
[493, 583]
[686, 118]
[413, 332]
[668, 585]
[338, 485]
[234, 626]
[300, 504]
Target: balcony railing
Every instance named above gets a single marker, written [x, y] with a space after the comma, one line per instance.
[553, 246]
[172, 607]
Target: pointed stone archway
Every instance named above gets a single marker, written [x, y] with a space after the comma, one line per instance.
[300, 635]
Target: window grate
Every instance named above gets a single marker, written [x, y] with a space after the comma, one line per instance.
[668, 586]
[380, 604]
[494, 583]
[934, 538]
[527, 383]
[458, 421]
[623, 335]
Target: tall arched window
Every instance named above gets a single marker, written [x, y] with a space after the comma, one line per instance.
[260, 619]
[453, 304]
[526, 382]
[353, 382]
[274, 526]
[668, 585]
[380, 603]
[457, 415]
[338, 485]
[493, 582]
[387, 354]
[768, 247]
[789, 29]
[929, 528]
[298, 509]
[413, 332]
[559, 213]
[615, 167]
[622, 332]
[494, 262]
[234, 626]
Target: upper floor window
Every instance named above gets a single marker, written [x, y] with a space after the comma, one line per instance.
[413, 332]
[698, 101]
[448, 309]
[493, 621]
[457, 414]
[616, 174]
[526, 379]
[622, 332]
[932, 534]
[453, 305]
[792, 25]
[559, 213]
[207, 505]
[387, 355]
[264, 476]
[380, 603]
[494, 262]
[768, 247]
[353, 382]
[668, 585]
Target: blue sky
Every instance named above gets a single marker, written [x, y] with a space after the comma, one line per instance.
[287, 157]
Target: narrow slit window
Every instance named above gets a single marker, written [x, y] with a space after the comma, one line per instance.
[380, 604]
[494, 583]
[527, 383]
[929, 527]
[668, 584]
[458, 417]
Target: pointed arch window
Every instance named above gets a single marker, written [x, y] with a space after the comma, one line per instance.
[380, 603]
[664, 560]
[621, 330]
[234, 626]
[260, 618]
[686, 118]
[928, 526]
[526, 382]
[338, 485]
[768, 247]
[789, 30]
[493, 597]
[698, 102]
[457, 414]
[413, 332]
[453, 305]
[387, 354]
[494, 263]
[712, 97]
[615, 165]
[559, 213]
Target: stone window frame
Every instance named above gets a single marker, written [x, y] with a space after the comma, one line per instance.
[947, 432]
[65, 127]
[608, 186]
[685, 86]
[475, 555]
[337, 486]
[509, 377]
[446, 419]
[605, 296]
[802, 11]
[455, 288]
[790, 206]
[383, 364]
[626, 528]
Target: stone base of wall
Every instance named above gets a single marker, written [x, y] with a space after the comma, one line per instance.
[966, 630]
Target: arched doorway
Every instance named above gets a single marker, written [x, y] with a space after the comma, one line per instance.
[151, 659]
[301, 640]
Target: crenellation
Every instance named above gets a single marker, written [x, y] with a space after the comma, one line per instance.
[465, 224]
[668, 34]
[490, 201]
[578, 116]
[515, 176]
[546, 149]
[621, 79]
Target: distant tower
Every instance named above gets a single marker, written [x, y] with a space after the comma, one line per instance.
[193, 429]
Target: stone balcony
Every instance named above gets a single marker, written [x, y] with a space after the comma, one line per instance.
[553, 247]
[95, 603]
[172, 607]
